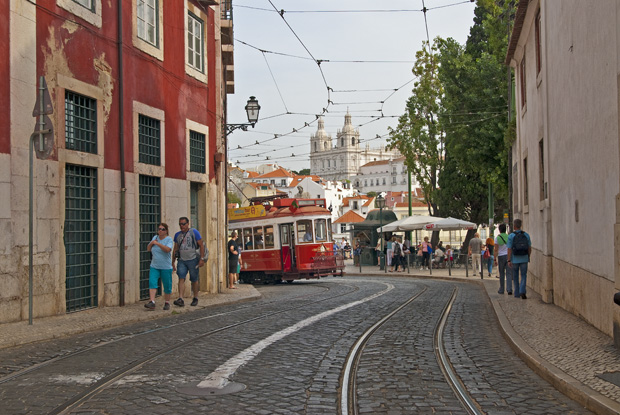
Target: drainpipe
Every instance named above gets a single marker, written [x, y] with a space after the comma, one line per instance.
[121, 139]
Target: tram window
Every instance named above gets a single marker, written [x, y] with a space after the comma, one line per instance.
[321, 230]
[304, 231]
[269, 237]
[247, 239]
[329, 230]
[258, 237]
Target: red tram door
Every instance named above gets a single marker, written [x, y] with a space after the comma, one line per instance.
[288, 249]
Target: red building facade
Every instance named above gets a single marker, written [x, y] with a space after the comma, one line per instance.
[138, 91]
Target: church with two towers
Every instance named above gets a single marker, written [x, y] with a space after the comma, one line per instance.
[342, 160]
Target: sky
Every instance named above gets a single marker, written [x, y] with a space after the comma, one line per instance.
[327, 57]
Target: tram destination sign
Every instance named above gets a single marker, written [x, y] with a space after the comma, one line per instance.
[248, 212]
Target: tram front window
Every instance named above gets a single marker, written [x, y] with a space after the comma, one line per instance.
[321, 230]
[247, 239]
[304, 231]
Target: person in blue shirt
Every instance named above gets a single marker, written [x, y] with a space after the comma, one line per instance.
[161, 266]
[518, 261]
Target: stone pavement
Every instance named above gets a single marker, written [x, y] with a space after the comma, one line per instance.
[45, 328]
[568, 352]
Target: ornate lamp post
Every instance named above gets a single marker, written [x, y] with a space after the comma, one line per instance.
[252, 109]
[380, 203]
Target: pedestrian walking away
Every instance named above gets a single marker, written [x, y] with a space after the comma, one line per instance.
[505, 272]
[519, 250]
[490, 243]
[233, 260]
[189, 253]
[474, 250]
[161, 266]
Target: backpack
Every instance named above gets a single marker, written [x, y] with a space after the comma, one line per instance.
[397, 250]
[520, 246]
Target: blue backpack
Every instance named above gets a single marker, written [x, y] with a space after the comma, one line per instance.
[520, 246]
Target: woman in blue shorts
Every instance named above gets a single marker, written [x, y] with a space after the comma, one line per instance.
[161, 265]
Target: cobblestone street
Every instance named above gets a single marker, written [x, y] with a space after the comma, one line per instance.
[145, 366]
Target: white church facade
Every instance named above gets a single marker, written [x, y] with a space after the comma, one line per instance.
[343, 159]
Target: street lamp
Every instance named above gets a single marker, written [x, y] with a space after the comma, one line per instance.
[380, 203]
[252, 108]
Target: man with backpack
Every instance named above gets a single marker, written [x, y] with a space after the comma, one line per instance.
[190, 253]
[519, 250]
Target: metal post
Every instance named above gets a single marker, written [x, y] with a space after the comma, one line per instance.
[430, 262]
[381, 236]
[466, 269]
[30, 226]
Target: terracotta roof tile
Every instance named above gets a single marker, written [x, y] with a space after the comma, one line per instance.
[350, 217]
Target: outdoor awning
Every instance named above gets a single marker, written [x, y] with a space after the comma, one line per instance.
[410, 223]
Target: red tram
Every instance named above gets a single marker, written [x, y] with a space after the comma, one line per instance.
[285, 240]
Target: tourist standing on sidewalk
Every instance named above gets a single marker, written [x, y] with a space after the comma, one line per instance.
[161, 266]
[491, 248]
[357, 254]
[426, 253]
[502, 260]
[379, 250]
[475, 248]
[233, 260]
[390, 251]
[186, 244]
[397, 252]
[519, 251]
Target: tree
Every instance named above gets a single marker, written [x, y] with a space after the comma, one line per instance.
[419, 136]
[233, 198]
[302, 172]
[474, 116]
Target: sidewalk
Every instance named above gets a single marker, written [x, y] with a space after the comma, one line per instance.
[569, 353]
[572, 355]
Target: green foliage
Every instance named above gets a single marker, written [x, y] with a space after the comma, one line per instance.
[302, 172]
[371, 194]
[454, 133]
[233, 198]
[419, 136]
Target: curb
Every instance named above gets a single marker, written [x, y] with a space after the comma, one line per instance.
[569, 386]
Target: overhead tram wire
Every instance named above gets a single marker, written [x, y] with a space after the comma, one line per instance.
[274, 81]
[281, 13]
[325, 109]
[356, 11]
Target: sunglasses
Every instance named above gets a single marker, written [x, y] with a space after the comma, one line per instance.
[162, 229]
[182, 223]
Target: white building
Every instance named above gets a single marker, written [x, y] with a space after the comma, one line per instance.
[566, 156]
[343, 160]
[314, 187]
[384, 176]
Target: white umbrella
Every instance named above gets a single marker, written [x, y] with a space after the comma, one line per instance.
[410, 223]
[449, 224]
[390, 227]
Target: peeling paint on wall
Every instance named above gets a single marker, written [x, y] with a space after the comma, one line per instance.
[106, 83]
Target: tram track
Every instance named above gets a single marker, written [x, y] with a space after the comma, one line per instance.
[125, 370]
[348, 394]
[37, 366]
